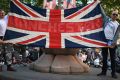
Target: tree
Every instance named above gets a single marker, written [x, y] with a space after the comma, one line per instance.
[110, 5]
[4, 4]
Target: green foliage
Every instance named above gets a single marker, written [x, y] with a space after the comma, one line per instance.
[39, 3]
[84, 2]
[4, 4]
[110, 5]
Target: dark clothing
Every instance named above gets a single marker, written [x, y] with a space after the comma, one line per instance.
[105, 58]
[33, 55]
[1, 37]
[1, 50]
[5, 54]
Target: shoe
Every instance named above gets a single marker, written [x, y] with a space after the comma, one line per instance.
[0, 68]
[114, 76]
[101, 74]
[10, 69]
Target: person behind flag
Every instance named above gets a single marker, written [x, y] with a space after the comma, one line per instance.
[49, 4]
[67, 4]
[109, 31]
[3, 26]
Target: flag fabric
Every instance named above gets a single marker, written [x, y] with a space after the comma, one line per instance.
[70, 28]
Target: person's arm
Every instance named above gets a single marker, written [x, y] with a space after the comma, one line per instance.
[1, 41]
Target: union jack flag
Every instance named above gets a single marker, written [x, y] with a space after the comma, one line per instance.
[69, 28]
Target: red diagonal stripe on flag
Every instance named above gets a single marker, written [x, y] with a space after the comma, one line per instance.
[24, 8]
[89, 41]
[31, 40]
[80, 11]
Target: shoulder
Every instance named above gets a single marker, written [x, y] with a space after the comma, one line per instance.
[107, 19]
[117, 23]
[6, 18]
[113, 22]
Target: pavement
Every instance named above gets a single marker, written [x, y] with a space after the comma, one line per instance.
[24, 73]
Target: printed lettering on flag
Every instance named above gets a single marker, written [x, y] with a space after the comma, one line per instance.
[69, 28]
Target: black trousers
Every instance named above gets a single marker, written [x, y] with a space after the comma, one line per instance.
[105, 52]
[1, 48]
[1, 37]
[4, 56]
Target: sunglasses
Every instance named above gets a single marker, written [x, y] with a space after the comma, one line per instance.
[115, 14]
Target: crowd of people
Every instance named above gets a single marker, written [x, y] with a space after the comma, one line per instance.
[90, 56]
[18, 54]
